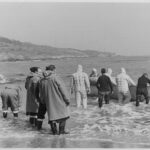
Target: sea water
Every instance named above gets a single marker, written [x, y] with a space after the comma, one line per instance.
[113, 125]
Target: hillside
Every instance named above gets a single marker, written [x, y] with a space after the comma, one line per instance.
[12, 50]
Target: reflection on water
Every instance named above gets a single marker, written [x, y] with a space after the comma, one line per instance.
[111, 126]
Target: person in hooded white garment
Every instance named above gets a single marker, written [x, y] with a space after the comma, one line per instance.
[81, 86]
[2, 79]
[123, 81]
[109, 74]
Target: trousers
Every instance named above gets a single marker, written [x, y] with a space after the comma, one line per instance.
[81, 98]
[124, 97]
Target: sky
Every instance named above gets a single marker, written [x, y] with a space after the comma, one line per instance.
[122, 28]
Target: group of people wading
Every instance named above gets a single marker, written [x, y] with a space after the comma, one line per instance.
[46, 92]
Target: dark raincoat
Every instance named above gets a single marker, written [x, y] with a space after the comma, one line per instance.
[31, 83]
[53, 93]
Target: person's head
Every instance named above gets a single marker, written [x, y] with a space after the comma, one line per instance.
[109, 71]
[123, 70]
[146, 75]
[79, 68]
[34, 69]
[94, 70]
[103, 70]
[50, 68]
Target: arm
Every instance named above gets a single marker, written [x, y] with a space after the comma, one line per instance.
[26, 83]
[98, 84]
[19, 92]
[63, 90]
[148, 80]
[72, 84]
[110, 84]
[87, 82]
[130, 80]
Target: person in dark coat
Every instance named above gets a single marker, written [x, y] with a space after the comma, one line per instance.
[54, 100]
[11, 97]
[105, 88]
[143, 81]
[32, 104]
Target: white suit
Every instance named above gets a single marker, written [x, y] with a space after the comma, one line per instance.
[109, 73]
[81, 85]
[123, 81]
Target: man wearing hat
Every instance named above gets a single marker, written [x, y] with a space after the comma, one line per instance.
[32, 104]
[54, 99]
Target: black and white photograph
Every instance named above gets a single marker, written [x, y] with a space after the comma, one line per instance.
[74, 74]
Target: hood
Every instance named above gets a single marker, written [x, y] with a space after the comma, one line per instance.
[109, 71]
[123, 70]
[79, 70]
[47, 73]
[34, 74]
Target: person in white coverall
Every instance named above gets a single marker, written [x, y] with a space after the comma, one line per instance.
[123, 81]
[109, 74]
[81, 85]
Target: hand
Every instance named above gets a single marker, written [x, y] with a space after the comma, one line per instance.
[67, 103]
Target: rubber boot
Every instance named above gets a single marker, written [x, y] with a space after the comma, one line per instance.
[106, 101]
[137, 103]
[62, 127]
[31, 120]
[39, 124]
[35, 122]
[16, 115]
[100, 102]
[147, 101]
[5, 114]
[53, 128]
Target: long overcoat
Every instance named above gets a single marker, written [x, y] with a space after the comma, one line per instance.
[54, 94]
[31, 84]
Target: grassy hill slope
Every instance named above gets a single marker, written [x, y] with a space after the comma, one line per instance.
[11, 50]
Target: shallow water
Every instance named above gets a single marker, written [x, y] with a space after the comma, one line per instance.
[111, 126]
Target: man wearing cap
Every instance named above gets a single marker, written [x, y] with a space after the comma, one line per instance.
[105, 88]
[32, 104]
[54, 99]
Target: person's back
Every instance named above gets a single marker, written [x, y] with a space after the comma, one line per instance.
[81, 85]
[122, 83]
[55, 97]
[109, 74]
[104, 83]
[123, 80]
[105, 88]
[143, 82]
[80, 81]
[11, 97]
